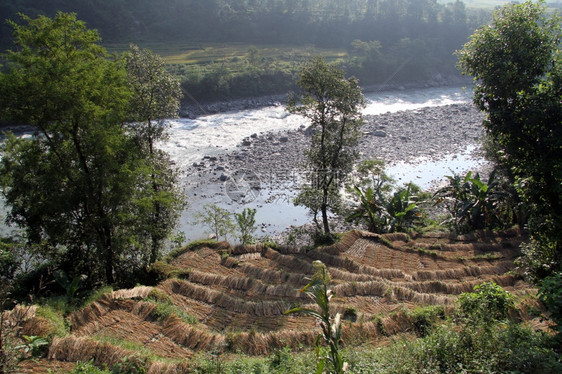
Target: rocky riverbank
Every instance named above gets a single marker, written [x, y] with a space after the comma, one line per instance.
[267, 164]
[392, 137]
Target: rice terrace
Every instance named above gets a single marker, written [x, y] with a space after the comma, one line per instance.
[231, 300]
[281, 187]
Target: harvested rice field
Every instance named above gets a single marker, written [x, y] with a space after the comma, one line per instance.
[230, 300]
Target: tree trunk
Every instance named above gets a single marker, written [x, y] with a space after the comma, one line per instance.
[3, 354]
[109, 255]
[324, 209]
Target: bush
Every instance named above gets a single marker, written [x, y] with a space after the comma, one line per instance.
[550, 293]
[424, 319]
[88, 368]
[488, 303]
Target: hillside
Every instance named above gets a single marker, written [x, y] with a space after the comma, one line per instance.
[233, 299]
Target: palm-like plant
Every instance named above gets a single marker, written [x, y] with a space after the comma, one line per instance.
[318, 290]
[370, 209]
[474, 204]
[402, 209]
[384, 212]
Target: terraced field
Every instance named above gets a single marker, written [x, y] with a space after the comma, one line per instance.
[236, 297]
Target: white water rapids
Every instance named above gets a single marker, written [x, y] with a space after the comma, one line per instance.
[192, 139]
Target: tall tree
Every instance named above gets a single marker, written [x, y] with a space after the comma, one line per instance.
[332, 103]
[156, 97]
[78, 185]
[515, 62]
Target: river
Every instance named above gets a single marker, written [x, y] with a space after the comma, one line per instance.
[219, 134]
[210, 135]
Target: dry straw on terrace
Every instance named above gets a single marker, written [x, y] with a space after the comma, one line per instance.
[291, 262]
[243, 284]
[343, 244]
[350, 277]
[233, 304]
[334, 261]
[456, 288]
[90, 313]
[248, 257]
[463, 272]
[189, 336]
[396, 237]
[273, 276]
[241, 249]
[372, 288]
[401, 293]
[19, 314]
[141, 292]
[37, 326]
[254, 343]
[73, 349]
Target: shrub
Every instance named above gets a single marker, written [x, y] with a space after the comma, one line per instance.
[487, 304]
[550, 293]
[424, 319]
[88, 368]
[246, 225]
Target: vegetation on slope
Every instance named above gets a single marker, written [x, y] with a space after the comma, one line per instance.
[212, 297]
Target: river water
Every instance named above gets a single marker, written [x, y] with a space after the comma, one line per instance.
[192, 139]
[212, 135]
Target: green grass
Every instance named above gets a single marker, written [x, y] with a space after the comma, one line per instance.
[165, 307]
[485, 257]
[206, 53]
[59, 325]
[139, 349]
[88, 368]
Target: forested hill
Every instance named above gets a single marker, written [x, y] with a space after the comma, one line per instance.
[325, 23]
[377, 41]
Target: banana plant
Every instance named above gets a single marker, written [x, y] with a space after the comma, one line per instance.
[369, 210]
[384, 213]
[473, 204]
[70, 286]
[402, 210]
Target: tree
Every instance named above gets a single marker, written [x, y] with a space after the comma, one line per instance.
[217, 219]
[332, 103]
[246, 222]
[79, 186]
[156, 97]
[515, 62]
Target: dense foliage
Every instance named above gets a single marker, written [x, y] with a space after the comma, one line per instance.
[321, 22]
[516, 67]
[475, 204]
[385, 40]
[91, 192]
[515, 62]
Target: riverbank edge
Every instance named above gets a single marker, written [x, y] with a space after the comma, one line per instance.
[198, 109]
